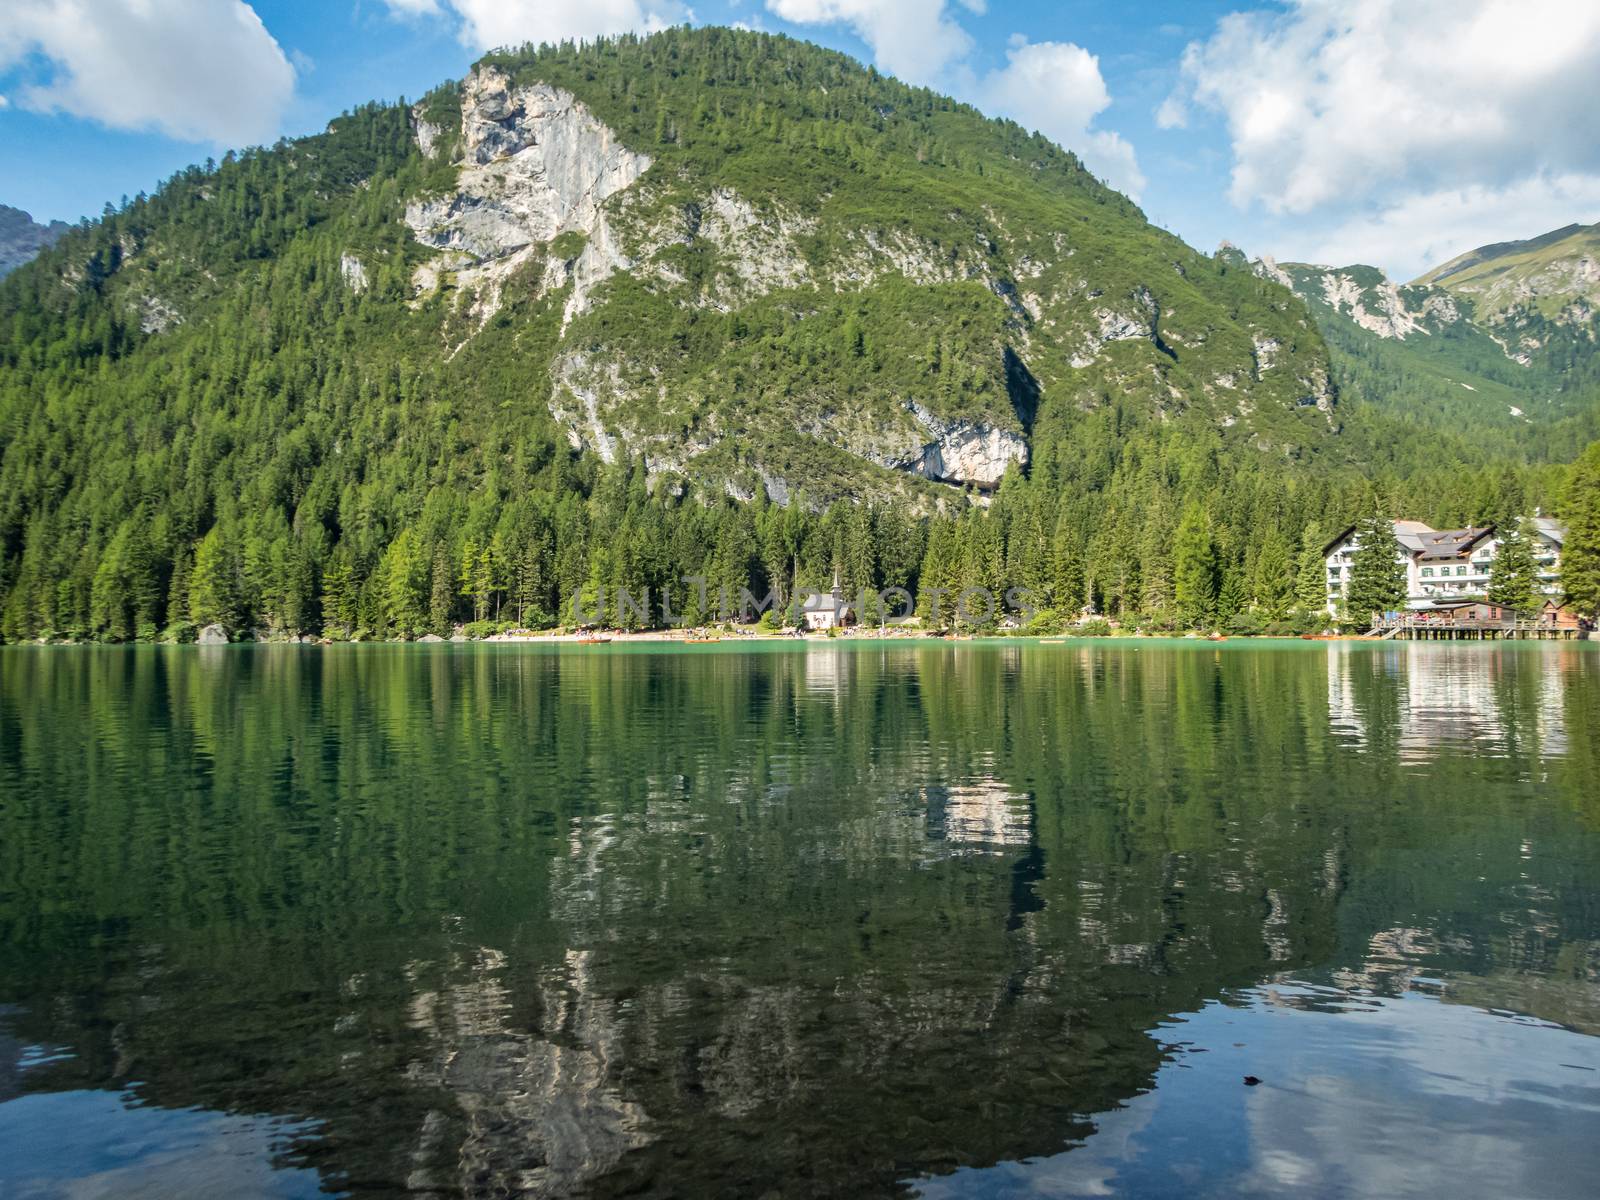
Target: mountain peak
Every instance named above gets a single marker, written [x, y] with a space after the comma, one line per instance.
[1556, 275]
[22, 238]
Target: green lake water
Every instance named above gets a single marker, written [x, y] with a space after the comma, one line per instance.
[987, 919]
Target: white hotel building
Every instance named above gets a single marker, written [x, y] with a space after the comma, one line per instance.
[1446, 564]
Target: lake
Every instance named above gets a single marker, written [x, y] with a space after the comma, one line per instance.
[987, 919]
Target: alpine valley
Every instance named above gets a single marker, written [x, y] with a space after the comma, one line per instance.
[724, 304]
[1493, 349]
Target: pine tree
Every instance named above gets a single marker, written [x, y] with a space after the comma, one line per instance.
[470, 577]
[1311, 583]
[1067, 576]
[403, 573]
[1029, 552]
[178, 587]
[1155, 565]
[1194, 575]
[212, 590]
[940, 570]
[441, 596]
[1232, 595]
[857, 562]
[1580, 555]
[339, 597]
[486, 581]
[1514, 575]
[1377, 572]
[1274, 580]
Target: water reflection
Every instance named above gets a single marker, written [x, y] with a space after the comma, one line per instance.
[105, 1144]
[1363, 1096]
[984, 816]
[497, 920]
[1450, 698]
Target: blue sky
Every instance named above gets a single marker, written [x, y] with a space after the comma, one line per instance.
[1397, 132]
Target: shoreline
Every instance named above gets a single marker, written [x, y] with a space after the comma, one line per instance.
[675, 638]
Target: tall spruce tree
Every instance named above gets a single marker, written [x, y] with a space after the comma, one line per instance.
[404, 572]
[1066, 568]
[441, 598]
[1275, 579]
[1194, 571]
[1514, 575]
[212, 588]
[1377, 572]
[1580, 555]
[339, 598]
[1311, 583]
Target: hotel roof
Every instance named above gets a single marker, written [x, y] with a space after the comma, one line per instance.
[1451, 543]
[1550, 528]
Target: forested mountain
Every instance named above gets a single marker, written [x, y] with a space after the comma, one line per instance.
[710, 303]
[1496, 351]
[21, 237]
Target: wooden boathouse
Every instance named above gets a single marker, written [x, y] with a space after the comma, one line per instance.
[1479, 620]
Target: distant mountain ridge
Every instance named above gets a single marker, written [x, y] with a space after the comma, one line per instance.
[1556, 273]
[22, 238]
[1503, 339]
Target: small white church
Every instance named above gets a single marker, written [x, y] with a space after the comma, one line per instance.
[822, 611]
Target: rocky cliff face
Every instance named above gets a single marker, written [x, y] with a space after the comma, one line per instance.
[22, 238]
[534, 164]
[967, 319]
[1367, 298]
[774, 333]
[964, 451]
[1539, 299]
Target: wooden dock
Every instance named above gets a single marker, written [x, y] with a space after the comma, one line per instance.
[1413, 628]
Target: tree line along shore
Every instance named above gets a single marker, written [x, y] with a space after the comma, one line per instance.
[1220, 568]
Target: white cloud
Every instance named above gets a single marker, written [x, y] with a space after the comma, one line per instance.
[1423, 229]
[1057, 89]
[1335, 102]
[199, 70]
[916, 40]
[486, 24]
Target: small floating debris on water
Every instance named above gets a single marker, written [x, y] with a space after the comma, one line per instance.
[1251, 1081]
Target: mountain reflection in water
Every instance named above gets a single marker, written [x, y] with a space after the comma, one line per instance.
[843, 920]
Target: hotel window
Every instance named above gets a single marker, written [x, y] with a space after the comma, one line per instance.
[1427, 572]
[1461, 570]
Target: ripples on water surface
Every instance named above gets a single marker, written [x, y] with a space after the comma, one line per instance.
[982, 920]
